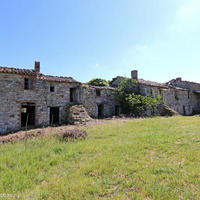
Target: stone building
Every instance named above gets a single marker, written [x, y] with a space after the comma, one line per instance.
[188, 93]
[181, 96]
[98, 101]
[30, 98]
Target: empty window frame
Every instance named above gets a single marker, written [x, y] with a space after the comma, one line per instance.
[98, 92]
[28, 84]
[176, 95]
[52, 88]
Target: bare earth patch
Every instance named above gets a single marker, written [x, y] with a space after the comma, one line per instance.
[39, 132]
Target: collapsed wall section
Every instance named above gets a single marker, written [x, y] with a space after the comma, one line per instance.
[98, 101]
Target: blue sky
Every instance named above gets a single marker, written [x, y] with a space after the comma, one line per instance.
[103, 38]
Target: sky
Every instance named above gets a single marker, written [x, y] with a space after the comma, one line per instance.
[88, 39]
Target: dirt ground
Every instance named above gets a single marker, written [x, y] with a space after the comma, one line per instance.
[31, 133]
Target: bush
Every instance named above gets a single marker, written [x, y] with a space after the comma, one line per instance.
[132, 102]
[127, 86]
[138, 104]
[98, 82]
[74, 134]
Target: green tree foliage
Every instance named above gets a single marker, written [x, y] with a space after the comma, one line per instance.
[132, 102]
[98, 82]
[126, 86]
[139, 104]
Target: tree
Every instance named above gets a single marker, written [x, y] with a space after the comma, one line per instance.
[132, 102]
[126, 86]
[138, 104]
[98, 82]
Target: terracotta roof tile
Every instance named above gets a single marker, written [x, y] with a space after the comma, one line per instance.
[101, 87]
[17, 71]
[40, 76]
[151, 83]
[183, 81]
[178, 88]
[57, 78]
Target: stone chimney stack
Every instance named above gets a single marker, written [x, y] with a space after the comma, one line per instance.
[179, 79]
[134, 74]
[37, 66]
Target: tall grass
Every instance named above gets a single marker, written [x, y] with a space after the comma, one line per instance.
[156, 158]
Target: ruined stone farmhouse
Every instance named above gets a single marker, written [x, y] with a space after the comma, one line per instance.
[30, 98]
[181, 96]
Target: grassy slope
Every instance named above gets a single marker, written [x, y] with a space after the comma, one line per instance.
[155, 158]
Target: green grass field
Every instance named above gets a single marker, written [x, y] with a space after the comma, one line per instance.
[155, 158]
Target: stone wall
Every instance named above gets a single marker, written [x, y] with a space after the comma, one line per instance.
[193, 93]
[12, 95]
[177, 99]
[91, 100]
[177, 94]
[182, 96]
[149, 90]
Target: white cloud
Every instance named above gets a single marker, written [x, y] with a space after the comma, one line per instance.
[97, 66]
[189, 9]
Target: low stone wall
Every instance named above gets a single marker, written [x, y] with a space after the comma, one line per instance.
[77, 114]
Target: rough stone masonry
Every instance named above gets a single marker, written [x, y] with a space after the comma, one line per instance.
[30, 99]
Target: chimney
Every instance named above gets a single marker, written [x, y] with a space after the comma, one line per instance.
[37, 66]
[179, 79]
[134, 74]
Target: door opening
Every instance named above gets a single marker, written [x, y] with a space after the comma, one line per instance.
[184, 111]
[116, 110]
[54, 115]
[73, 95]
[100, 110]
[27, 114]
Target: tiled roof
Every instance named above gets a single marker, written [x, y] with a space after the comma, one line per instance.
[17, 71]
[140, 81]
[101, 87]
[151, 83]
[57, 78]
[28, 72]
[183, 81]
[178, 88]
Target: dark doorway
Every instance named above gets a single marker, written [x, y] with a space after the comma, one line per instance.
[27, 114]
[72, 94]
[54, 115]
[184, 112]
[100, 110]
[117, 111]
